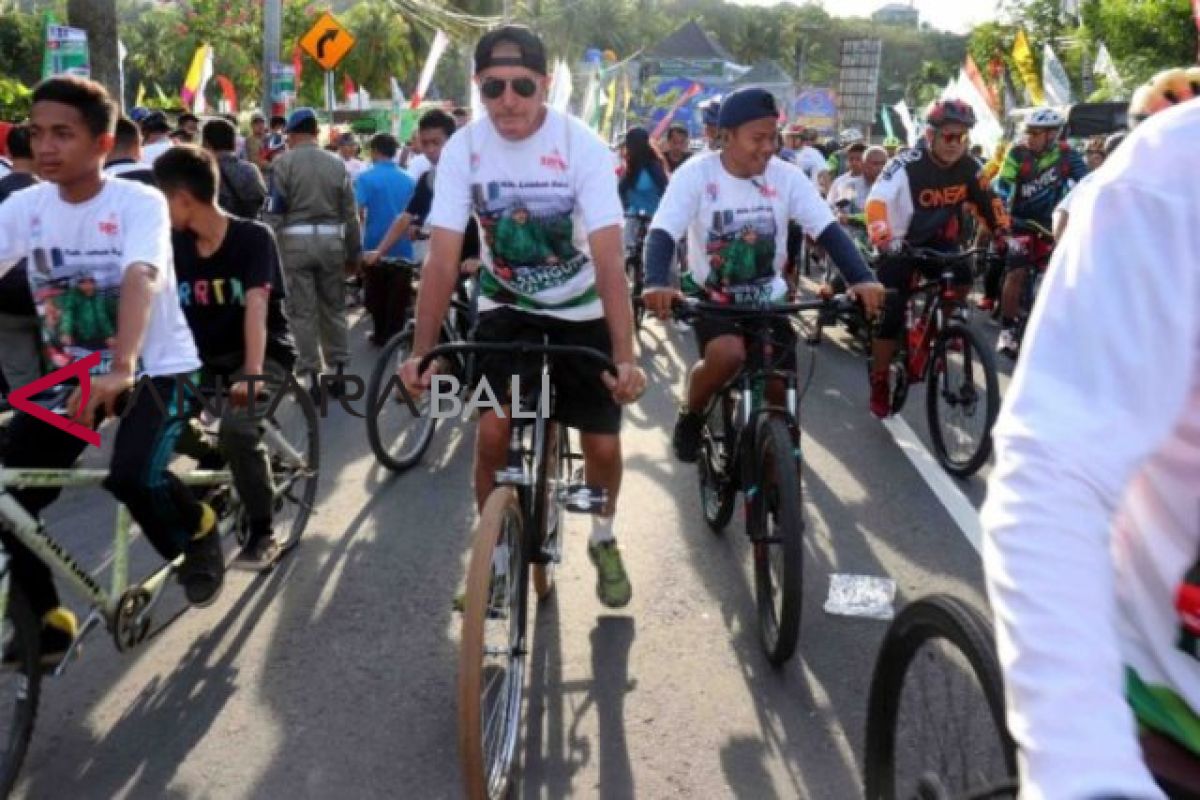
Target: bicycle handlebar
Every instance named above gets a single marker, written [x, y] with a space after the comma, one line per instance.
[931, 256]
[689, 308]
[520, 350]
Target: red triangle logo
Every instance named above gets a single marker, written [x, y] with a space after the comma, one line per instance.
[81, 369]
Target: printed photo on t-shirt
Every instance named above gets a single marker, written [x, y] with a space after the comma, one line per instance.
[741, 255]
[76, 293]
[529, 229]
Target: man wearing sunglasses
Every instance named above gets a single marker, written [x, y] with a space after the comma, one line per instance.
[919, 200]
[1037, 174]
[527, 168]
[734, 207]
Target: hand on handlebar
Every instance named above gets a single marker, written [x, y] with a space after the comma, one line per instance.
[629, 384]
[660, 299]
[106, 390]
[416, 383]
[871, 294]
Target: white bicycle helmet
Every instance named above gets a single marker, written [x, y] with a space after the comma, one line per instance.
[1045, 118]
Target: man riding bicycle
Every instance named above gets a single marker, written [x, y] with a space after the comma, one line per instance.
[918, 201]
[526, 168]
[734, 207]
[1036, 175]
[1092, 520]
[81, 223]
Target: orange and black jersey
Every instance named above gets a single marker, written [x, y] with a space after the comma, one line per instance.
[921, 202]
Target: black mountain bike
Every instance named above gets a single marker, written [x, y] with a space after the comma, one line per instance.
[750, 445]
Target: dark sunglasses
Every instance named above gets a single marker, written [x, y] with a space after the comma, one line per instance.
[953, 138]
[493, 88]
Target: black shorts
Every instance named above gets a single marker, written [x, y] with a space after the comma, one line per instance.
[783, 339]
[581, 400]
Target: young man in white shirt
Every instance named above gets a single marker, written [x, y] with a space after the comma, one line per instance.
[79, 227]
[735, 206]
[1092, 520]
[540, 185]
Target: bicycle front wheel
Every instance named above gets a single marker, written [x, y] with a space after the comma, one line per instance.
[776, 528]
[935, 714]
[398, 437]
[293, 444]
[20, 688]
[491, 669]
[962, 400]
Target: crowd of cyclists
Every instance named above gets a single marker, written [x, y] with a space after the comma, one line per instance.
[228, 256]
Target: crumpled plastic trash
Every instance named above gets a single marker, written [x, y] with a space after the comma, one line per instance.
[861, 596]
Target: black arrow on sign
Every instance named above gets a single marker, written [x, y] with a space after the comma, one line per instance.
[330, 35]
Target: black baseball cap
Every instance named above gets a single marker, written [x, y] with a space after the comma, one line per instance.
[533, 52]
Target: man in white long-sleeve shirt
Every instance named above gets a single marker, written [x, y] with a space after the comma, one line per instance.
[1093, 511]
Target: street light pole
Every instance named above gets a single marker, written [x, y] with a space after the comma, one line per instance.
[272, 32]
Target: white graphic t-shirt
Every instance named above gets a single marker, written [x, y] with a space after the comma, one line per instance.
[536, 201]
[78, 253]
[737, 227]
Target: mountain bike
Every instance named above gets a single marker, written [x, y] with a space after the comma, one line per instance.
[750, 445]
[126, 609]
[940, 347]
[635, 271]
[935, 714]
[517, 541]
[400, 428]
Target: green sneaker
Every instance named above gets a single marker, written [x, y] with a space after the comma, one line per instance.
[612, 584]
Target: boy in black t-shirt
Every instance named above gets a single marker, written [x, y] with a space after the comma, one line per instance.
[230, 289]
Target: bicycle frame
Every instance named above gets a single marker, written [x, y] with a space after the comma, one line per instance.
[33, 534]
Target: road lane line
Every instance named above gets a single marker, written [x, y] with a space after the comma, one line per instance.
[951, 498]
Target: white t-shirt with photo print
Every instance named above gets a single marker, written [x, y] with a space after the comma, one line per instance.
[737, 227]
[536, 201]
[78, 254]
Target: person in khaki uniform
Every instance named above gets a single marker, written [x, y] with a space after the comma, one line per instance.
[315, 218]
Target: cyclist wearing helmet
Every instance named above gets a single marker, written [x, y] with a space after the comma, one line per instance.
[917, 201]
[1091, 535]
[1037, 174]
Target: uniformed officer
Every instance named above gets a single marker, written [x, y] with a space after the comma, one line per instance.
[313, 212]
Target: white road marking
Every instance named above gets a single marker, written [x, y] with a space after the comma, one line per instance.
[954, 501]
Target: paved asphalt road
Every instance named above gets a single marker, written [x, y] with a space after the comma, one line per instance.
[334, 676]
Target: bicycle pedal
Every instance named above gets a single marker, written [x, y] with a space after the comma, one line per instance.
[579, 498]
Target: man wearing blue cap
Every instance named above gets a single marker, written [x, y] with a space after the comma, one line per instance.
[734, 206]
[315, 217]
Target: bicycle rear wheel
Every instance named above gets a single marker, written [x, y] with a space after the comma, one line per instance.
[397, 436]
[717, 492]
[293, 446]
[776, 528]
[20, 685]
[491, 670]
[962, 399]
[935, 714]
[633, 273]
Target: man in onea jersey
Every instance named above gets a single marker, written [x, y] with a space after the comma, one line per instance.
[1092, 520]
[1035, 176]
[734, 207]
[542, 188]
[917, 201]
